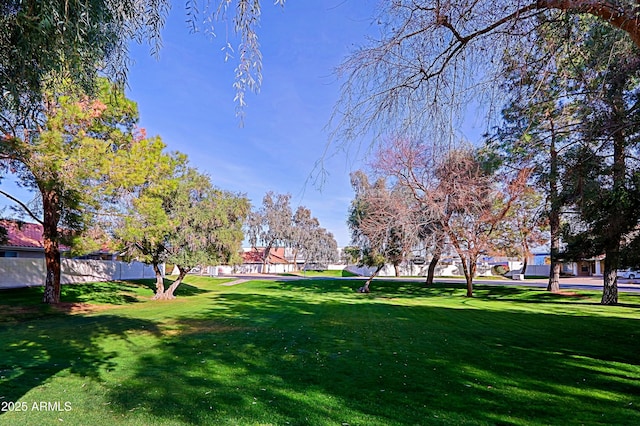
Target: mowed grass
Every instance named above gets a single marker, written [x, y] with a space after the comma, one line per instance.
[315, 352]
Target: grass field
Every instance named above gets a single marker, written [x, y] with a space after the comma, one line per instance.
[315, 352]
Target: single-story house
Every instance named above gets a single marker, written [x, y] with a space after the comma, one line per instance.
[24, 240]
[582, 268]
[253, 261]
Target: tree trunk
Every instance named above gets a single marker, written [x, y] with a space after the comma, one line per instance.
[295, 260]
[50, 238]
[554, 219]
[396, 269]
[554, 276]
[432, 266]
[159, 280]
[610, 278]
[617, 222]
[53, 265]
[468, 274]
[365, 287]
[265, 259]
[168, 294]
[523, 271]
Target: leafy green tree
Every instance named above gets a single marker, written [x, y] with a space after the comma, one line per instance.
[145, 223]
[575, 124]
[207, 227]
[73, 163]
[537, 127]
[603, 173]
[177, 216]
[351, 254]
[271, 225]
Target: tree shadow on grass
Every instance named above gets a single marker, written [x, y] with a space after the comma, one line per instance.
[111, 292]
[183, 289]
[33, 351]
[255, 359]
[399, 289]
[535, 295]
[108, 292]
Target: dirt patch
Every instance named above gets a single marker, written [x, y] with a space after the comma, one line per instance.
[236, 282]
[80, 308]
[570, 294]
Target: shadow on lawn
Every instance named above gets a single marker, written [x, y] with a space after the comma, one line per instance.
[399, 289]
[34, 351]
[267, 359]
[379, 288]
[184, 289]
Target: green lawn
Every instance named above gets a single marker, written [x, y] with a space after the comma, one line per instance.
[315, 352]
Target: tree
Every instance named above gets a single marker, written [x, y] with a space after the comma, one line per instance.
[524, 227]
[207, 227]
[179, 217]
[310, 240]
[380, 225]
[537, 124]
[603, 173]
[434, 58]
[145, 223]
[72, 162]
[576, 123]
[351, 254]
[303, 229]
[271, 225]
[454, 191]
[322, 248]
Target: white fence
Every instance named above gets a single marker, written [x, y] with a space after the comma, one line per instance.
[442, 270]
[16, 272]
[538, 270]
[407, 270]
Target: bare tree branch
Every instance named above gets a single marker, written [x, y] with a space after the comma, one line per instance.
[23, 206]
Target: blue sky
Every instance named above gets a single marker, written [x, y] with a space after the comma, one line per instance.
[186, 97]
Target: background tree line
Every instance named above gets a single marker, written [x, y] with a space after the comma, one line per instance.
[435, 202]
[559, 84]
[416, 80]
[274, 225]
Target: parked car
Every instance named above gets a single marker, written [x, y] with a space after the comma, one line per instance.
[628, 273]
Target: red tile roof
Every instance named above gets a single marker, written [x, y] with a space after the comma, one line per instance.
[257, 255]
[23, 234]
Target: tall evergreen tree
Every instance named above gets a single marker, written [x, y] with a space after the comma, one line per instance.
[576, 122]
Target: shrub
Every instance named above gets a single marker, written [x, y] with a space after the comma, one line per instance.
[499, 269]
